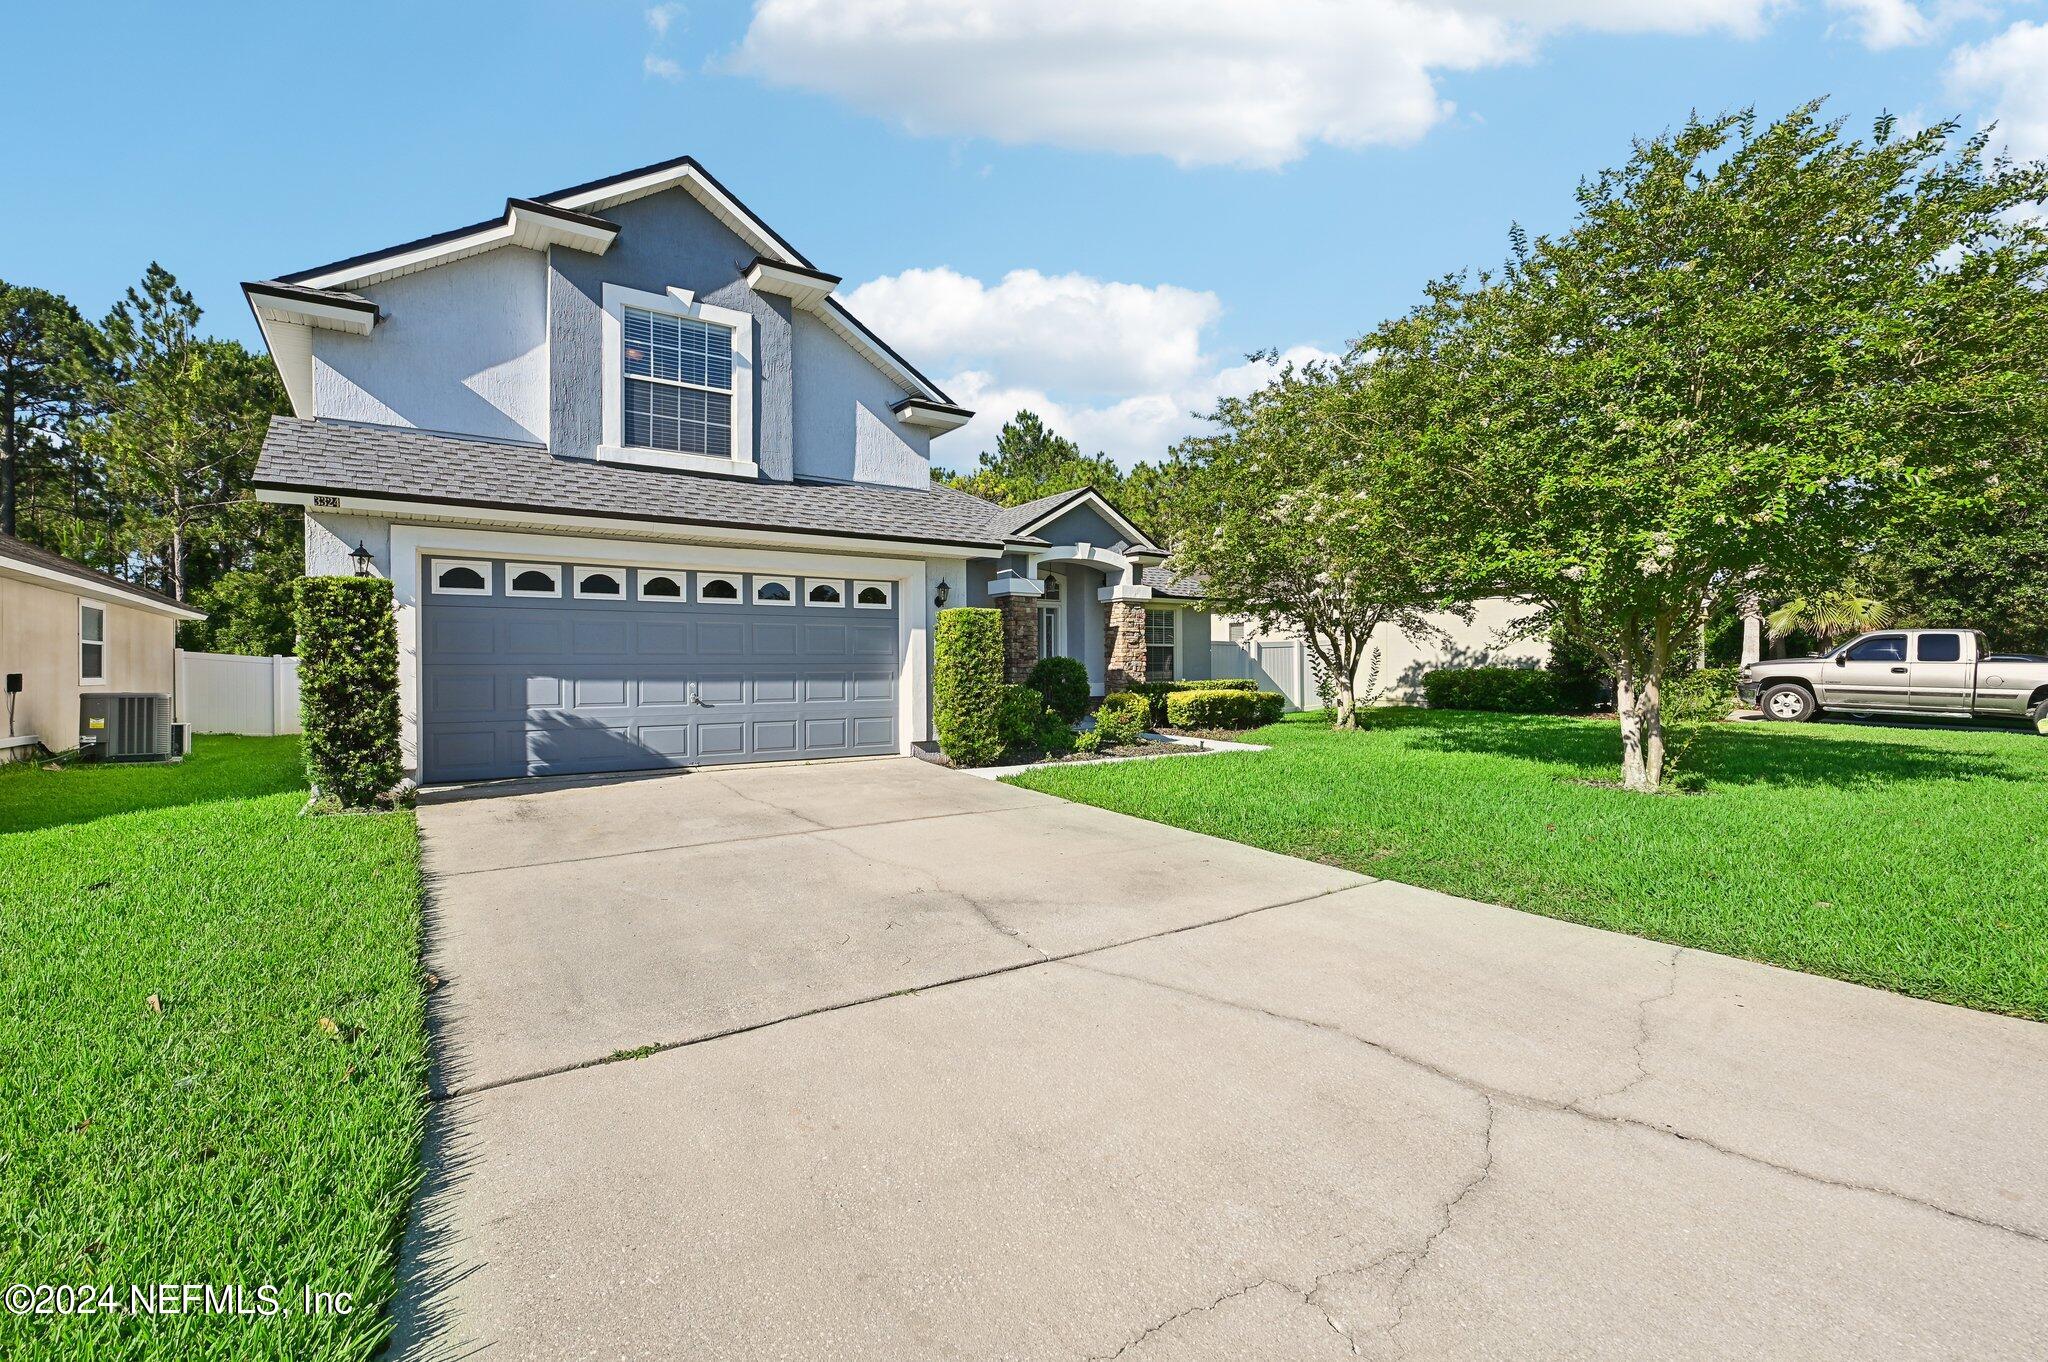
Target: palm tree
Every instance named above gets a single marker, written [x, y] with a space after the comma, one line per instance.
[1829, 616]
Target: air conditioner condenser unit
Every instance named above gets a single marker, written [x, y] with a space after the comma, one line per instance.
[125, 727]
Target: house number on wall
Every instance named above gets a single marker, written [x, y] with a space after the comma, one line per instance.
[327, 503]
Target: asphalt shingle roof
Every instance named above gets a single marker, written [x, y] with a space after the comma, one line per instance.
[23, 551]
[413, 465]
[1169, 583]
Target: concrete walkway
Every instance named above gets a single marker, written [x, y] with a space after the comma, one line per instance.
[934, 1068]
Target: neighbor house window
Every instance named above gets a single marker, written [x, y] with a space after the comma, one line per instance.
[1159, 645]
[92, 643]
[678, 385]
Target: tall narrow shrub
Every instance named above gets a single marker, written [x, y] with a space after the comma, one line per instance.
[348, 686]
[967, 684]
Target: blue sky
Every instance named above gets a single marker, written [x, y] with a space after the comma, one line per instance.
[1176, 188]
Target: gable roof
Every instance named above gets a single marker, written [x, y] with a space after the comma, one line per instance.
[392, 463]
[34, 561]
[570, 218]
[1031, 515]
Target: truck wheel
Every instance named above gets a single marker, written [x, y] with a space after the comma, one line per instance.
[2041, 717]
[1789, 704]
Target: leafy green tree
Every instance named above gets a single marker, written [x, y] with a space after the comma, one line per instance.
[1758, 352]
[1829, 615]
[1304, 510]
[176, 422]
[249, 605]
[1032, 460]
[42, 338]
[1984, 569]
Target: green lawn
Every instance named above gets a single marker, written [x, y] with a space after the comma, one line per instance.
[1908, 858]
[230, 1138]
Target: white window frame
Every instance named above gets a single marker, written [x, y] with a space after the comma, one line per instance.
[616, 572]
[813, 583]
[739, 588]
[553, 570]
[681, 579]
[84, 643]
[437, 566]
[788, 584]
[676, 303]
[1172, 644]
[888, 590]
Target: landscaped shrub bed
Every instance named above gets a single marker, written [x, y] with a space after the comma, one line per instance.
[1119, 721]
[967, 685]
[1505, 690]
[1225, 709]
[1157, 691]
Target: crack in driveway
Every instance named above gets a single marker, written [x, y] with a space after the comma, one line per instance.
[1532, 1102]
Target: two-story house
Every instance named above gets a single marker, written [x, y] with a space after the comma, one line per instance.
[649, 495]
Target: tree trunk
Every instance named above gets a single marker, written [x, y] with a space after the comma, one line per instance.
[1639, 700]
[8, 467]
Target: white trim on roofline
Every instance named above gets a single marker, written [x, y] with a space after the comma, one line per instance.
[653, 531]
[1090, 496]
[720, 204]
[39, 575]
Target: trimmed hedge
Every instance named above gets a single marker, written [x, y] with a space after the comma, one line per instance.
[348, 686]
[967, 684]
[1121, 718]
[1224, 708]
[1063, 681]
[1505, 690]
[1157, 691]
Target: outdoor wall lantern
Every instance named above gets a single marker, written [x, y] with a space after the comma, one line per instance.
[361, 558]
[944, 591]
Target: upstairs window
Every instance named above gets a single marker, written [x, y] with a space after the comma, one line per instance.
[678, 384]
[1159, 645]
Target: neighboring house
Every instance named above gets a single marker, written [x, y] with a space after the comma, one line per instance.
[66, 630]
[1392, 669]
[648, 495]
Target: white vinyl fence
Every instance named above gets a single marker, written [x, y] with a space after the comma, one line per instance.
[229, 693]
[1279, 664]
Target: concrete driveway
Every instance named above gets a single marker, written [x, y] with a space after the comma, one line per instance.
[946, 1069]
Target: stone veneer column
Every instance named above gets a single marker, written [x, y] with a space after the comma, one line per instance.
[1020, 636]
[1126, 637]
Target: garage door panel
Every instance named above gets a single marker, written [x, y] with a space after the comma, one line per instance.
[774, 736]
[539, 685]
[721, 638]
[601, 638]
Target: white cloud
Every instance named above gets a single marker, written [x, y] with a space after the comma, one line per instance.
[2010, 73]
[659, 17]
[1067, 330]
[662, 68]
[1886, 23]
[1120, 368]
[1199, 81]
[1142, 425]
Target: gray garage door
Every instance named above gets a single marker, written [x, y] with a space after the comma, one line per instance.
[536, 668]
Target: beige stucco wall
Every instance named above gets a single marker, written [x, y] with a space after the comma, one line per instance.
[39, 639]
[1403, 663]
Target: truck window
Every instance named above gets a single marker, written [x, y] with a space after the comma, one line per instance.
[1940, 648]
[1882, 648]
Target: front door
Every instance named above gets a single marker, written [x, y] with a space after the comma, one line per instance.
[1872, 674]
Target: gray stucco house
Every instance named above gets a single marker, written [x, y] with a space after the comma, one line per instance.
[648, 495]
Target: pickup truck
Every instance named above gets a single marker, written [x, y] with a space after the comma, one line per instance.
[1931, 673]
